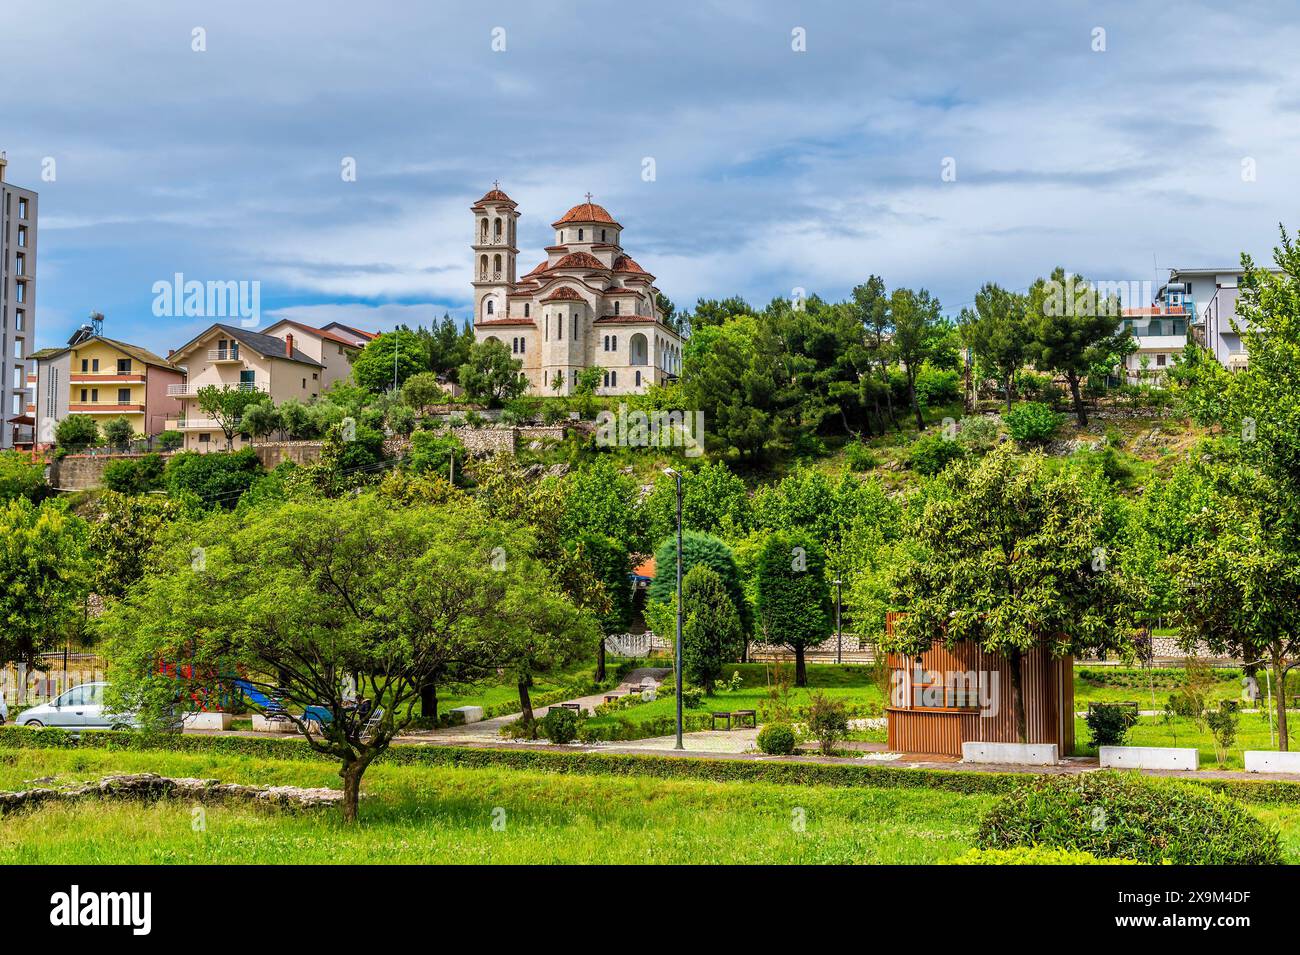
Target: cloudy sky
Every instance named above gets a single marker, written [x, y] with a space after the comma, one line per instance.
[773, 168]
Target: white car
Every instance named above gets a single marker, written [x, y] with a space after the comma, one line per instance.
[81, 707]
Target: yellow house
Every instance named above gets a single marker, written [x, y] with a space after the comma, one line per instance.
[105, 379]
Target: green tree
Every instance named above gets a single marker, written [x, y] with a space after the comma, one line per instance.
[1012, 557]
[491, 375]
[697, 548]
[711, 634]
[135, 475]
[297, 598]
[611, 565]
[998, 332]
[226, 406]
[20, 476]
[422, 390]
[76, 432]
[217, 480]
[728, 374]
[1071, 326]
[918, 334]
[388, 360]
[121, 534]
[43, 578]
[793, 599]
[262, 418]
[118, 433]
[600, 499]
[714, 500]
[436, 452]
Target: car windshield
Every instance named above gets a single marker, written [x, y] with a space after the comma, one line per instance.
[74, 697]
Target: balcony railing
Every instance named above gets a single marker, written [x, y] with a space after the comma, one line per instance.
[223, 354]
[189, 390]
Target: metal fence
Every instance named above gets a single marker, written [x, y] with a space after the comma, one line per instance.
[22, 685]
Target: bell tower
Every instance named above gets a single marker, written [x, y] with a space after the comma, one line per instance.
[496, 220]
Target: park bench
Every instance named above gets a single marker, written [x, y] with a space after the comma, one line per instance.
[741, 716]
[611, 697]
[714, 717]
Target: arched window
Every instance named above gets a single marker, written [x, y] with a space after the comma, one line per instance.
[613, 379]
[559, 328]
[638, 379]
[496, 267]
[482, 266]
[605, 379]
[616, 305]
[522, 342]
[579, 235]
[525, 309]
[615, 343]
[496, 229]
[575, 324]
[602, 235]
[546, 328]
[639, 350]
[489, 307]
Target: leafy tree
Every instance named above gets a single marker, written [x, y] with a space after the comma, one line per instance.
[422, 390]
[170, 440]
[226, 406]
[118, 433]
[1072, 326]
[793, 599]
[711, 634]
[491, 375]
[1238, 582]
[43, 578]
[611, 565]
[121, 533]
[1011, 557]
[599, 499]
[697, 549]
[20, 476]
[918, 334]
[135, 475]
[714, 500]
[710, 313]
[729, 375]
[298, 597]
[76, 432]
[870, 306]
[297, 420]
[998, 332]
[217, 480]
[262, 418]
[437, 453]
[388, 360]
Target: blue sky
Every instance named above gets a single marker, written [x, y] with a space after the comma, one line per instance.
[774, 169]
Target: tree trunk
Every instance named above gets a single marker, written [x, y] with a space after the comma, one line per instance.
[1018, 697]
[889, 395]
[1079, 413]
[600, 660]
[800, 669]
[916, 405]
[351, 773]
[1009, 380]
[1280, 701]
[429, 702]
[525, 701]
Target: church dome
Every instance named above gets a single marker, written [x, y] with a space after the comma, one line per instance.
[495, 195]
[564, 294]
[625, 263]
[585, 212]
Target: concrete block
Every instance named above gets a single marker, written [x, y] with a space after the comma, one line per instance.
[1148, 757]
[208, 721]
[1023, 754]
[470, 714]
[1266, 761]
[262, 725]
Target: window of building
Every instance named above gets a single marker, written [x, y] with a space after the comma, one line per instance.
[94, 364]
[615, 348]
[20, 264]
[1160, 361]
[204, 438]
[124, 366]
[22, 208]
[94, 395]
[20, 320]
[559, 328]
[124, 396]
[616, 305]
[20, 292]
[489, 307]
[613, 379]
[605, 379]
[579, 235]
[602, 235]
[304, 384]
[526, 309]
[546, 328]
[22, 237]
[17, 405]
[522, 343]
[575, 325]
[85, 364]
[638, 379]
[83, 396]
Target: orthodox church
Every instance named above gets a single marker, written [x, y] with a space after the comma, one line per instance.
[588, 303]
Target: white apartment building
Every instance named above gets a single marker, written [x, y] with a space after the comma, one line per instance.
[17, 310]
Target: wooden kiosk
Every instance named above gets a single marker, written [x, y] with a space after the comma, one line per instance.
[946, 697]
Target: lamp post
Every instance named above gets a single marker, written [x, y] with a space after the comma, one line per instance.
[839, 636]
[677, 662]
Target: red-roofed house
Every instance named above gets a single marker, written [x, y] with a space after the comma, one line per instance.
[587, 304]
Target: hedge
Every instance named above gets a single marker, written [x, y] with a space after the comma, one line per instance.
[584, 763]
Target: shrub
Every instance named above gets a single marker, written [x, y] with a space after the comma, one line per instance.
[828, 721]
[21, 477]
[118, 432]
[979, 432]
[776, 739]
[76, 432]
[135, 475]
[1032, 422]
[1223, 724]
[1109, 723]
[859, 456]
[711, 631]
[433, 451]
[170, 440]
[560, 725]
[937, 386]
[692, 697]
[217, 479]
[1033, 855]
[1116, 816]
[932, 453]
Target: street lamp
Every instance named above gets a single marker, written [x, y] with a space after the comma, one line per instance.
[677, 666]
[839, 636]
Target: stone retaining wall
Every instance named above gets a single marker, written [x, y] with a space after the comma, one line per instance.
[81, 472]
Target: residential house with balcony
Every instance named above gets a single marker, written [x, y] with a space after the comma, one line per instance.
[1217, 290]
[104, 379]
[1161, 331]
[334, 346]
[233, 357]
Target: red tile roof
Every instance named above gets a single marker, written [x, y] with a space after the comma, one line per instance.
[624, 291]
[585, 212]
[495, 195]
[625, 263]
[563, 293]
[506, 321]
[539, 267]
[578, 260]
[624, 319]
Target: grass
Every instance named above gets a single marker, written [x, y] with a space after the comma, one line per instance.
[1252, 733]
[441, 815]
[854, 684]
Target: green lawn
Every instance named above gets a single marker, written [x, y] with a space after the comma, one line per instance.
[438, 815]
[853, 684]
[1252, 733]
